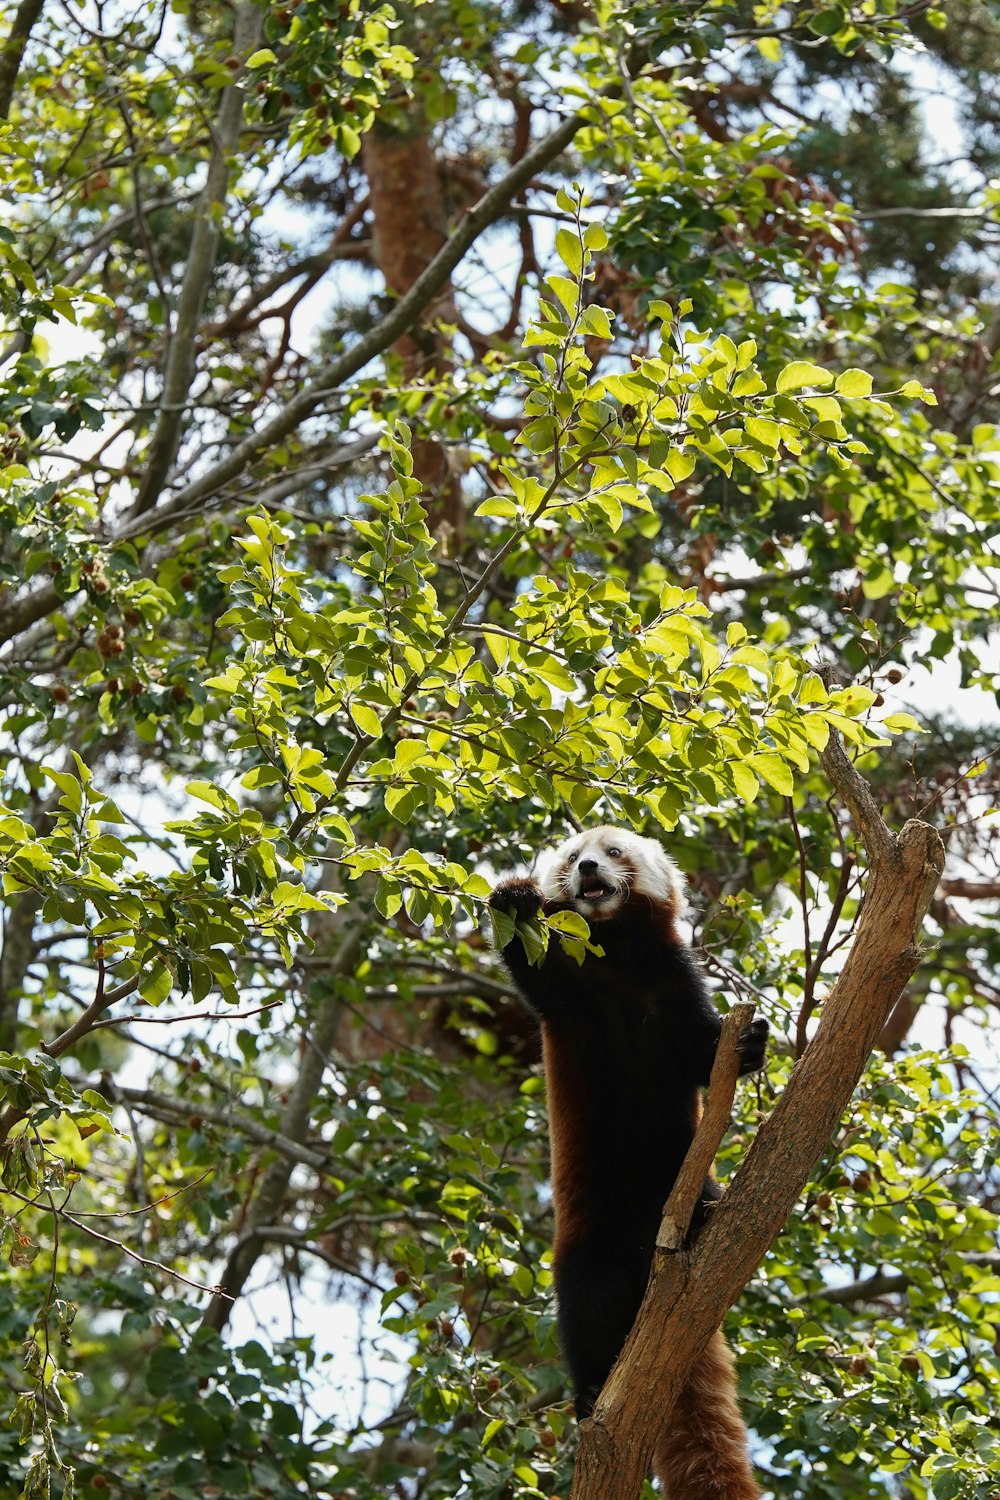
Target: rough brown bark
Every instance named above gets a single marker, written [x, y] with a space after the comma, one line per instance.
[16, 954]
[410, 228]
[897, 1028]
[12, 51]
[689, 1291]
[687, 1190]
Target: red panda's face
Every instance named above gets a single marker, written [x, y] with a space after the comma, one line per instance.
[597, 871]
[597, 879]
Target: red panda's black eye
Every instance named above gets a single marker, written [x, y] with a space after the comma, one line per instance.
[572, 860]
[615, 853]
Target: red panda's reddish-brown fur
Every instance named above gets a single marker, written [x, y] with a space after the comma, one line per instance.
[628, 1041]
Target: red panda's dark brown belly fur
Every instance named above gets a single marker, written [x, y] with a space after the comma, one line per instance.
[622, 1112]
[620, 1125]
[629, 1041]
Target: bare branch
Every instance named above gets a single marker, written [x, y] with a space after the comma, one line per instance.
[295, 1121]
[107, 1239]
[101, 1002]
[396, 322]
[909, 212]
[687, 1190]
[198, 271]
[178, 1112]
[971, 890]
[881, 1284]
[298, 1239]
[12, 51]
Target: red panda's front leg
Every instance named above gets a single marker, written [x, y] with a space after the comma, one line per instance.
[520, 898]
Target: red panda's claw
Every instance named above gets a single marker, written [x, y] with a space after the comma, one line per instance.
[753, 1046]
[521, 898]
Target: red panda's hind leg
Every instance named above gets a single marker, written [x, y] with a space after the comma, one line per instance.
[703, 1453]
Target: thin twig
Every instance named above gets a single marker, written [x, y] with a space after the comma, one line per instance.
[107, 1239]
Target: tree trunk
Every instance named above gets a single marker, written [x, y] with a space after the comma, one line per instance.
[690, 1290]
[404, 187]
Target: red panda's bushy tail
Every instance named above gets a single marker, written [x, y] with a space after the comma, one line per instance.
[703, 1453]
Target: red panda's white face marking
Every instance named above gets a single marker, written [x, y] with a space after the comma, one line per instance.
[597, 870]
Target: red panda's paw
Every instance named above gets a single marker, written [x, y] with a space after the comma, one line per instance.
[753, 1046]
[521, 898]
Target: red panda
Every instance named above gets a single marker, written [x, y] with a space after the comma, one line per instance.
[628, 1041]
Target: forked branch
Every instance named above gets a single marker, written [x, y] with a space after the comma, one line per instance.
[690, 1290]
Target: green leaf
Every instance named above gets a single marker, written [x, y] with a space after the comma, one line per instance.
[768, 434]
[913, 388]
[366, 719]
[156, 984]
[567, 291]
[904, 723]
[854, 383]
[801, 373]
[569, 249]
[569, 922]
[596, 322]
[744, 780]
[812, 690]
[879, 582]
[772, 769]
[207, 791]
[501, 506]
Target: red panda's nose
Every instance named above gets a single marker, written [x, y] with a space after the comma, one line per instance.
[588, 866]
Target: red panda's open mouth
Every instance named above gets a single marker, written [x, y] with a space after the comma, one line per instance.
[593, 890]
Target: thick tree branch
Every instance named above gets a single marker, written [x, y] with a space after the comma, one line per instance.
[689, 1291]
[881, 1284]
[687, 1190]
[953, 211]
[387, 330]
[20, 614]
[24, 612]
[268, 1203]
[12, 51]
[858, 798]
[972, 890]
[16, 954]
[198, 271]
[179, 1111]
